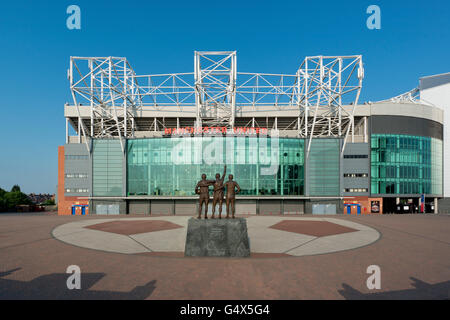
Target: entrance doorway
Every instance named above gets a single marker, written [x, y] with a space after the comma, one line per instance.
[353, 208]
[79, 209]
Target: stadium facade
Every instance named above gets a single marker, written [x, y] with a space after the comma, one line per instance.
[296, 143]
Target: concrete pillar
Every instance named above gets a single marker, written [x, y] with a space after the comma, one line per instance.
[67, 130]
[366, 132]
[435, 205]
[79, 130]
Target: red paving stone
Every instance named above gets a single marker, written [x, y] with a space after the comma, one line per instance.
[413, 254]
[134, 227]
[181, 254]
[312, 228]
[172, 254]
[268, 255]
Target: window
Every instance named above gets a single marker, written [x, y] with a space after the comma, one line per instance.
[356, 190]
[76, 175]
[173, 166]
[355, 156]
[403, 164]
[76, 157]
[77, 190]
[355, 175]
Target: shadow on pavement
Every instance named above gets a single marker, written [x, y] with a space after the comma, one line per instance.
[53, 286]
[421, 290]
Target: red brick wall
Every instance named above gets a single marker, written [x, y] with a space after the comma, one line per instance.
[365, 203]
[65, 203]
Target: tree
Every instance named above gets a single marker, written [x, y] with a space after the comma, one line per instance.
[49, 202]
[9, 200]
[15, 188]
[3, 206]
[16, 198]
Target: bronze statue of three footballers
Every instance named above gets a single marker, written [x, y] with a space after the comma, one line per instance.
[202, 189]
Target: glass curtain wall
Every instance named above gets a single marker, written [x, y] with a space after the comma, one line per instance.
[404, 164]
[173, 166]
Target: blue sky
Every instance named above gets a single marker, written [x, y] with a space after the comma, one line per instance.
[161, 36]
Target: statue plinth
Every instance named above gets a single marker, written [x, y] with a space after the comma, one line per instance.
[217, 238]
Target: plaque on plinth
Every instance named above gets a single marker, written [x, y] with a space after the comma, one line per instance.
[217, 238]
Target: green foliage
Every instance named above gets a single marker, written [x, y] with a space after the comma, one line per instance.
[9, 200]
[49, 202]
[16, 198]
[2, 204]
[2, 200]
[15, 188]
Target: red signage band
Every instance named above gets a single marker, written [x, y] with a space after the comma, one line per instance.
[215, 130]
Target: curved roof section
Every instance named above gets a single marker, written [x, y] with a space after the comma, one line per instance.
[416, 110]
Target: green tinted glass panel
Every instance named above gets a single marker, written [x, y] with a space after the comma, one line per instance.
[172, 166]
[323, 167]
[403, 164]
[107, 168]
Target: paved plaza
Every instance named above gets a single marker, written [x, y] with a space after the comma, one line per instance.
[292, 257]
[268, 235]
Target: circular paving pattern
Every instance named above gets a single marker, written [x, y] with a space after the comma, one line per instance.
[274, 236]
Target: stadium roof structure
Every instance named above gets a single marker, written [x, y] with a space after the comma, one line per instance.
[110, 98]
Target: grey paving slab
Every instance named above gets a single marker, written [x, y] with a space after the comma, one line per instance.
[163, 241]
[349, 224]
[265, 240]
[104, 241]
[73, 227]
[336, 243]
